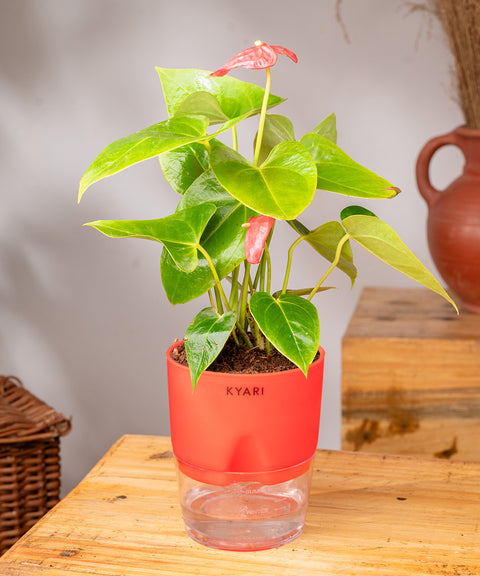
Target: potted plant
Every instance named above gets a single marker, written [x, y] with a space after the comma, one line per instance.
[244, 442]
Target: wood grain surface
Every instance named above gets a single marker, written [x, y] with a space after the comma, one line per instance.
[368, 514]
[411, 376]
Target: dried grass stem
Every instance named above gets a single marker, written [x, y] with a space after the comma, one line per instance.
[461, 21]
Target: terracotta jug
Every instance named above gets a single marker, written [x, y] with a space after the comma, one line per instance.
[453, 225]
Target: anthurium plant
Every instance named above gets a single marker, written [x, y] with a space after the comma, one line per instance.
[218, 240]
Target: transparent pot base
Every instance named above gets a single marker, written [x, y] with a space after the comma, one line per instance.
[244, 515]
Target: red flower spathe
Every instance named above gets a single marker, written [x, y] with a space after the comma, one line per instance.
[255, 58]
[258, 229]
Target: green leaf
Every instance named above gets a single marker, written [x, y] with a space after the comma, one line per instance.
[327, 128]
[303, 291]
[337, 172]
[207, 189]
[142, 145]
[290, 323]
[223, 239]
[282, 187]
[202, 103]
[205, 339]
[325, 239]
[235, 98]
[181, 287]
[180, 232]
[184, 165]
[277, 129]
[382, 241]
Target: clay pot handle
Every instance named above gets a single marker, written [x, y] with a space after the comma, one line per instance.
[429, 192]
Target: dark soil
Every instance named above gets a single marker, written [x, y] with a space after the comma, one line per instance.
[242, 360]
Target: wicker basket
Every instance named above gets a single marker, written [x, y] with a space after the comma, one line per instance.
[29, 459]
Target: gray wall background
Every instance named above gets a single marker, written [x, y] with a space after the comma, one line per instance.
[83, 319]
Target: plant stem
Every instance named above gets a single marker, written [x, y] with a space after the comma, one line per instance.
[332, 266]
[257, 335]
[266, 253]
[298, 227]
[254, 283]
[233, 301]
[263, 113]
[218, 284]
[289, 263]
[235, 338]
[234, 138]
[220, 294]
[212, 301]
[268, 346]
[244, 335]
[207, 144]
[244, 296]
[268, 260]
[261, 285]
[218, 298]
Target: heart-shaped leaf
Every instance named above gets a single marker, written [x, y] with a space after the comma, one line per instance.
[337, 172]
[327, 128]
[230, 213]
[325, 239]
[202, 103]
[235, 97]
[205, 338]
[184, 165]
[142, 145]
[380, 239]
[277, 129]
[180, 232]
[223, 239]
[290, 323]
[181, 287]
[282, 187]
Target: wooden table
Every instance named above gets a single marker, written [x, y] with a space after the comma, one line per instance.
[411, 376]
[368, 514]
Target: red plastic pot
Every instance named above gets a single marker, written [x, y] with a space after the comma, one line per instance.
[244, 423]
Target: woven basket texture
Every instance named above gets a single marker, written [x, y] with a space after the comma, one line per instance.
[30, 434]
